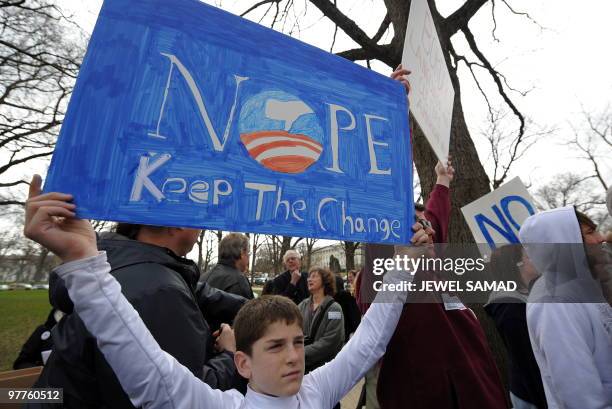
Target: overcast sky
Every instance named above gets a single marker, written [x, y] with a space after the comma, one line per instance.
[564, 60]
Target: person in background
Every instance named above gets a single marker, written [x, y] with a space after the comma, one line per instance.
[350, 278]
[350, 309]
[323, 320]
[292, 282]
[438, 357]
[37, 348]
[568, 319]
[509, 312]
[160, 283]
[268, 288]
[228, 273]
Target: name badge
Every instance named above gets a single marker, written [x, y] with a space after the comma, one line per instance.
[452, 303]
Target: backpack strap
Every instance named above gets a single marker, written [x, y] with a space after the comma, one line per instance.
[319, 318]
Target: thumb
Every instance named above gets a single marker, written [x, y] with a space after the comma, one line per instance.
[35, 186]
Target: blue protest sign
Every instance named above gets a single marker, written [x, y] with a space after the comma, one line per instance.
[185, 115]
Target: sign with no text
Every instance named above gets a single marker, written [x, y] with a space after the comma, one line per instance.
[185, 115]
[432, 95]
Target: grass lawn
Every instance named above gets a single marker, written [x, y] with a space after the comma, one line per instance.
[20, 312]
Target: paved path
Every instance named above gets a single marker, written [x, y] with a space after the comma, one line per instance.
[351, 398]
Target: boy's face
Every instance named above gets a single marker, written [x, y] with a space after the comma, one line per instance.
[276, 364]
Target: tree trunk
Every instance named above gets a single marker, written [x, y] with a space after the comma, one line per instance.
[349, 253]
[219, 238]
[41, 265]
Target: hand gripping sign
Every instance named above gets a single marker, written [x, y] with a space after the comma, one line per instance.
[185, 115]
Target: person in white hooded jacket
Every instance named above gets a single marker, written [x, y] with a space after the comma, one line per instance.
[569, 322]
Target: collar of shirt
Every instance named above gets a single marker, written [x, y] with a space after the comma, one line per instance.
[259, 400]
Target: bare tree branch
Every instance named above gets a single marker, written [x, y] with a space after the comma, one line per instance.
[257, 5]
[459, 19]
[496, 78]
[384, 26]
[351, 29]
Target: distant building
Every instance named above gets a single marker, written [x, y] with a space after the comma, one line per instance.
[320, 256]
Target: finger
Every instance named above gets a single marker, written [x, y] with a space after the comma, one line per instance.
[417, 226]
[41, 217]
[65, 197]
[421, 238]
[418, 235]
[424, 242]
[52, 203]
[47, 212]
[400, 73]
[35, 186]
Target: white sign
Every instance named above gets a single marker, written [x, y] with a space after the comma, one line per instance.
[496, 218]
[432, 94]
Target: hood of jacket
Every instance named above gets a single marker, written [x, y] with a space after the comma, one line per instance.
[122, 252]
[553, 242]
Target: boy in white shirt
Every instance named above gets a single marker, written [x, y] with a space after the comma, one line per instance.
[269, 337]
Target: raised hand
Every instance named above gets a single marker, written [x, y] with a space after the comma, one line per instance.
[50, 220]
[445, 174]
[399, 75]
[420, 243]
[295, 276]
[226, 341]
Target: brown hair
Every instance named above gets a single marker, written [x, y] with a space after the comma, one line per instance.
[328, 278]
[585, 220]
[131, 231]
[128, 230]
[254, 318]
[232, 246]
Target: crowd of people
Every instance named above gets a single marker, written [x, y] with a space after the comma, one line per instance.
[135, 324]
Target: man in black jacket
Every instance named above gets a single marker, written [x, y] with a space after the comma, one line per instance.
[161, 285]
[228, 274]
[292, 283]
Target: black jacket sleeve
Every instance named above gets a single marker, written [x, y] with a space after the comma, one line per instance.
[516, 334]
[291, 291]
[241, 287]
[218, 306]
[220, 371]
